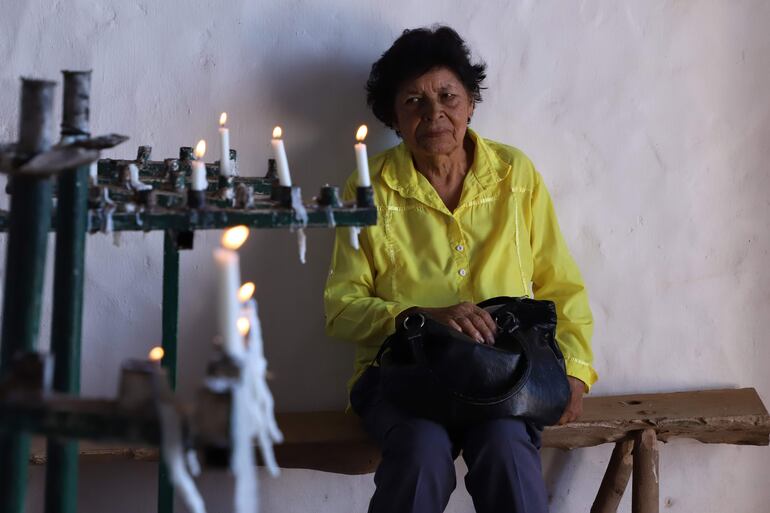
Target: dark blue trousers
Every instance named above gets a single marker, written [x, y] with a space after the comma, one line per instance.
[417, 472]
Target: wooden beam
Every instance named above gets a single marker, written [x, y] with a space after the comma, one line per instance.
[729, 416]
[334, 441]
[645, 486]
[615, 478]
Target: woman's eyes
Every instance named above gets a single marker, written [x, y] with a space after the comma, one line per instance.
[414, 100]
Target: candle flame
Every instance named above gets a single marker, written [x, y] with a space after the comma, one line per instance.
[223, 119]
[277, 132]
[234, 237]
[156, 354]
[200, 149]
[243, 326]
[361, 133]
[246, 291]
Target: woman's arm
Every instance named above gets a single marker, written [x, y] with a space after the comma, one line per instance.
[352, 310]
[556, 277]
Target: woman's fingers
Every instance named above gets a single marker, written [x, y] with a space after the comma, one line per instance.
[469, 319]
[479, 322]
[575, 406]
[475, 327]
[488, 320]
[469, 329]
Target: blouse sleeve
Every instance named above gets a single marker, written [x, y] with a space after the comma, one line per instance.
[353, 313]
[556, 278]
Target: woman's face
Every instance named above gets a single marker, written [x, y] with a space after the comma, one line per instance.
[432, 112]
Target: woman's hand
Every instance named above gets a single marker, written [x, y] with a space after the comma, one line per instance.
[575, 406]
[464, 317]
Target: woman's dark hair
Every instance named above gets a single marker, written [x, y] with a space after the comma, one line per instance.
[414, 53]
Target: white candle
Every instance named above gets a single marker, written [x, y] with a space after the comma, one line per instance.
[284, 177]
[198, 178]
[354, 231]
[224, 135]
[302, 245]
[173, 456]
[362, 160]
[93, 173]
[263, 424]
[253, 410]
[137, 185]
[229, 279]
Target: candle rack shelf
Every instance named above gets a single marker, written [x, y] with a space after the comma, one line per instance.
[40, 394]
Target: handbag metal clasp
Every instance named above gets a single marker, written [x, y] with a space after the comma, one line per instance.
[507, 322]
[410, 326]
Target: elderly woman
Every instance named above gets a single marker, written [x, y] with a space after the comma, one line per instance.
[461, 219]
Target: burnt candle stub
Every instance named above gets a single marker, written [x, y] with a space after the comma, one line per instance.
[36, 119]
[272, 170]
[143, 154]
[76, 98]
[186, 153]
[330, 196]
[364, 196]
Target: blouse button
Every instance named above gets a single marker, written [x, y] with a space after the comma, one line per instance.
[462, 272]
[459, 247]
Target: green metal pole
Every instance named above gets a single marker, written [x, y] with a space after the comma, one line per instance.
[61, 485]
[29, 222]
[170, 335]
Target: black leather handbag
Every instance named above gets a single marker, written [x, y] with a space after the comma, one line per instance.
[434, 371]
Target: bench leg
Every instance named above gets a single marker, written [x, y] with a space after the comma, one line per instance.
[644, 489]
[615, 478]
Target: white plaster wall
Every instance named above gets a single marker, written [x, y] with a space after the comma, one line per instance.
[649, 120]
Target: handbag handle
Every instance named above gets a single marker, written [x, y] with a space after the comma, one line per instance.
[414, 335]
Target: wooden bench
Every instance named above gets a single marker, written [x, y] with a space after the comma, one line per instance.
[335, 441]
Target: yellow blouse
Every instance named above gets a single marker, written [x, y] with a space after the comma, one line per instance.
[503, 239]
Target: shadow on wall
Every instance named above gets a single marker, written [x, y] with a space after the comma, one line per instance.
[318, 92]
[559, 471]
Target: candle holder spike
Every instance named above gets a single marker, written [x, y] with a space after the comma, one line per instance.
[143, 154]
[330, 196]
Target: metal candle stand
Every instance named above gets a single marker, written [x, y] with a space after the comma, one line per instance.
[40, 396]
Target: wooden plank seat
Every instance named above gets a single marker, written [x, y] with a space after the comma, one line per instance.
[335, 442]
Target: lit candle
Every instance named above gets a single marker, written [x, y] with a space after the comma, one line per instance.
[246, 291]
[228, 266]
[243, 325]
[362, 160]
[224, 134]
[198, 178]
[280, 158]
[156, 354]
[262, 424]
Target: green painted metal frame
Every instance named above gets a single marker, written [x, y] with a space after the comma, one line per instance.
[94, 419]
[28, 226]
[154, 173]
[66, 329]
[60, 414]
[21, 317]
[170, 338]
[214, 219]
[172, 222]
[98, 419]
